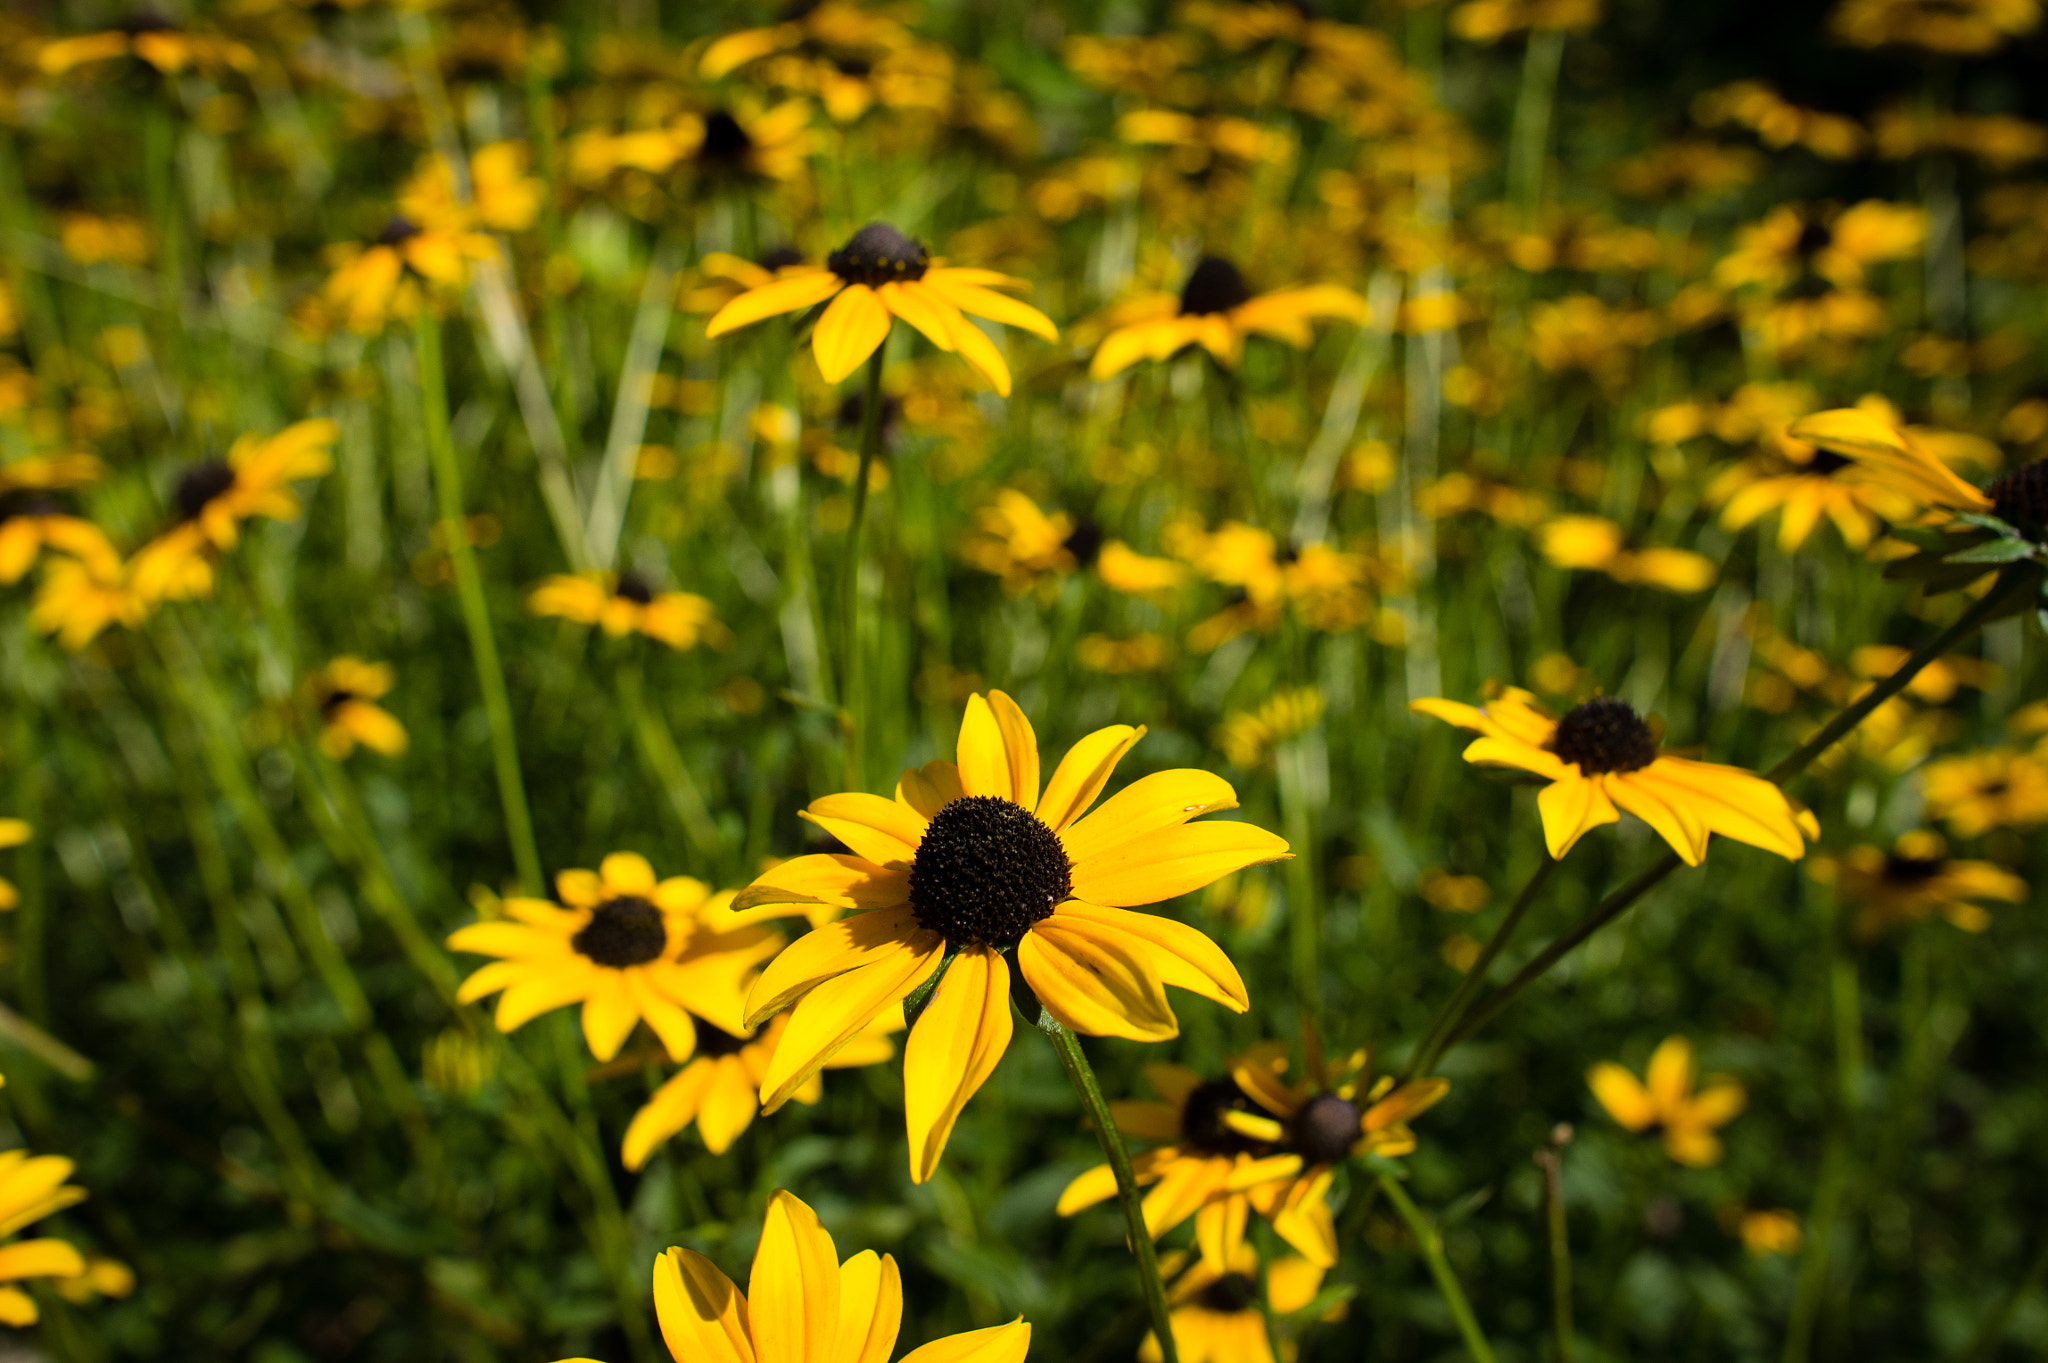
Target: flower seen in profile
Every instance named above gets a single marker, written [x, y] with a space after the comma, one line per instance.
[345, 692]
[1886, 456]
[1916, 880]
[1601, 755]
[628, 948]
[802, 1305]
[972, 864]
[880, 274]
[31, 1188]
[626, 603]
[1216, 310]
[1669, 1100]
[150, 39]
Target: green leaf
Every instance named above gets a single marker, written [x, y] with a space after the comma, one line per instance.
[1984, 522]
[1995, 551]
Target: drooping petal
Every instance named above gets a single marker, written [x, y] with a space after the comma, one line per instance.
[609, 1016]
[793, 1293]
[1183, 1187]
[1571, 806]
[997, 1344]
[1161, 800]
[978, 350]
[1180, 955]
[983, 757]
[853, 328]
[870, 1309]
[1732, 802]
[1082, 774]
[1303, 1218]
[667, 1020]
[952, 1051]
[730, 1104]
[1219, 1231]
[1172, 861]
[1496, 751]
[1094, 983]
[528, 999]
[1674, 819]
[832, 950]
[702, 1314]
[792, 293]
[836, 1011]
[495, 976]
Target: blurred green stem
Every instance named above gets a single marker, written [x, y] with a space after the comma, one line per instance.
[849, 582]
[1431, 1242]
[1551, 1161]
[1303, 909]
[476, 614]
[1529, 143]
[658, 747]
[1082, 1076]
[1813, 1263]
[1993, 1329]
[31, 915]
[1437, 1038]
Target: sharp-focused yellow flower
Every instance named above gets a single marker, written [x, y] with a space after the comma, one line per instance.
[626, 947]
[213, 498]
[13, 833]
[1602, 754]
[1957, 27]
[1217, 310]
[31, 1188]
[345, 693]
[802, 1305]
[1598, 544]
[1214, 1310]
[972, 862]
[719, 1089]
[626, 603]
[1980, 791]
[1665, 1098]
[881, 274]
[1916, 880]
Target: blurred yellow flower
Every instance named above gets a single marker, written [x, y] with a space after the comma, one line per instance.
[1991, 788]
[1767, 1232]
[31, 1188]
[1214, 1312]
[345, 693]
[1247, 738]
[13, 833]
[1591, 542]
[1956, 27]
[1666, 1099]
[213, 498]
[1141, 652]
[626, 603]
[1016, 541]
[1216, 310]
[1488, 21]
[1916, 880]
[1887, 456]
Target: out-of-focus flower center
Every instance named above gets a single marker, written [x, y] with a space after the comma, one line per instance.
[334, 700]
[1201, 1120]
[1215, 286]
[1085, 542]
[1326, 1129]
[1229, 1294]
[714, 1042]
[399, 230]
[199, 485]
[725, 140]
[879, 254]
[1827, 463]
[1900, 870]
[1604, 735]
[2020, 499]
[622, 932]
[986, 871]
[634, 587]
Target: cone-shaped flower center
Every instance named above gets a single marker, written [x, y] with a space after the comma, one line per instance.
[2020, 499]
[1604, 735]
[879, 254]
[635, 588]
[725, 141]
[1085, 542]
[780, 257]
[199, 485]
[399, 229]
[1900, 870]
[622, 932]
[985, 872]
[1201, 1120]
[1326, 1129]
[714, 1042]
[1827, 463]
[1215, 286]
[1814, 238]
[334, 700]
[1229, 1294]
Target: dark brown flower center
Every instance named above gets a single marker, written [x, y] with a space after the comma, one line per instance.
[1813, 239]
[986, 871]
[2020, 499]
[1215, 286]
[634, 587]
[1827, 463]
[725, 141]
[1605, 734]
[780, 257]
[1084, 542]
[715, 1042]
[879, 254]
[30, 502]
[622, 932]
[399, 230]
[1900, 870]
[1229, 1294]
[334, 700]
[199, 485]
[1326, 1129]
[1201, 1120]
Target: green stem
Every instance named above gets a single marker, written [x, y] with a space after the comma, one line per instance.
[476, 614]
[1082, 1076]
[1431, 1241]
[658, 746]
[1551, 1162]
[849, 581]
[1993, 1329]
[1530, 140]
[1303, 909]
[1813, 1264]
[32, 915]
[1437, 1038]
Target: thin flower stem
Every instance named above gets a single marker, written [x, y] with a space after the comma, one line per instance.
[1813, 1262]
[1437, 1038]
[1082, 1076]
[1551, 1161]
[1431, 1241]
[476, 613]
[849, 581]
[1304, 911]
[1618, 903]
[658, 746]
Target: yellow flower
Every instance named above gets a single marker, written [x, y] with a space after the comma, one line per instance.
[503, 197]
[1124, 569]
[1488, 21]
[802, 1305]
[627, 948]
[1016, 541]
[626, 603]
[13, 833]
[719, 1089]
[345, 692]
[78, 598]
[213, 498]
[31, 522]
[878, 275]
[743, 140]
[1980, 791]
[389, 277]
[1247, 738]
[834, 26]
[1959, 27]
[1772, 1231]
[1805, 484]
[1883, 455]
[1794, 246]
[1915, 879]
[1594, 543]
[1214, 1313]
[149, 39]
[1602, 754]
[970, 862]
[31, 1188]
[103, 1277]
[1665, 1099]
[1217, 310]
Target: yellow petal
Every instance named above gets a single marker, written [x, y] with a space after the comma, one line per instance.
[1082, 774]
[982, 302]
[39, 1259]
[1183, 1187]
[918, 306]
[1172, 861]
[793, 1293]
[1180, 955]
[838, 1010]
[1732, 802]
[667, 1020]
[730, 1104]
[792, 293]
[17, 1308]
[1219, 1231]
[626, 873]
[1097, 1185]
[997, 1344]
[1160, 800]
[531, 997]
[670, 1109]
[879, 829]
[978, 350]
[1571, 806]
[1095, 983]
[702, 1315]
[1020, 744]
[1624, 1097]
[853, 327]
[846, 882]
[1669, 1077]
[1673, 818]
[870, 1309]
[983, 757]
[832, 950]
[1303, 1219]
[952, 1051]
[1718, 1103]
[930, 788]
[608, 1015]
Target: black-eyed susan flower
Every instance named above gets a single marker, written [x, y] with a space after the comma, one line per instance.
[802, 1305]
[881, 274]
[345, 692]
[1884, 455]
[1767, 1231]
[13, 833]
[147, 38]
[1216, 310]
[31, 1188]
[429, 244]
[1214, 1311]
[1669, 1099]
[1246, 738]
[79, 598]
[1915, 880]
[626, 603]
[741, 142]
[1124, 569]
[1993, 788]
[626, 947]
[503, 197]
[213, 498]
[972, 863]
[1599, 545]
[1954, 27]
[32, 521]
[1015, 540]
[719, 1090]
[1602, 754]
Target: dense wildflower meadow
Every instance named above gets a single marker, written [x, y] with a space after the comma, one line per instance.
[969, 680]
